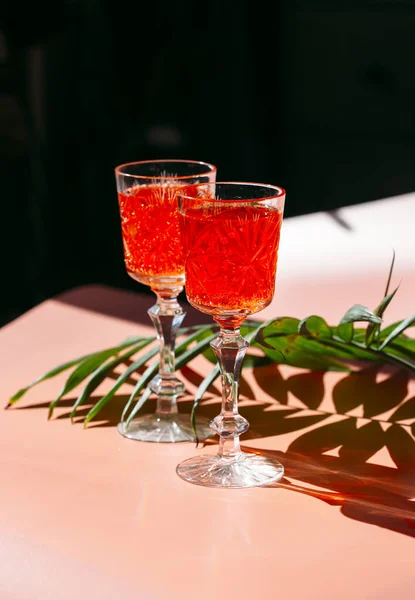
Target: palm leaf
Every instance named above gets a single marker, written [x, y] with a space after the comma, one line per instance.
[83, 370]
[121, 379]
[65, 366]
[99, 375]
[48, 375]
[152, 369]
[182, 360]
[398, 330]
[203, 387]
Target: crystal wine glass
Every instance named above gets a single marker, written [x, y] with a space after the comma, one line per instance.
[147, 196]
[230, 234]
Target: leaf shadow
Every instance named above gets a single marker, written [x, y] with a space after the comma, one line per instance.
[349, 477]
[405, 411]
[109, 416]
[196, 379]
[376, 397]
[372, 494]
[271, 381]
[307, 387]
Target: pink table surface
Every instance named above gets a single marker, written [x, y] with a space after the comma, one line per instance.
[89, 514]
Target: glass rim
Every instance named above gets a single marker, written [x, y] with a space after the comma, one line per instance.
[210, 168]
[280, 192]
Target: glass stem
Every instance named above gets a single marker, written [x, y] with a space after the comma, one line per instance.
[230, 349]
[167, 316]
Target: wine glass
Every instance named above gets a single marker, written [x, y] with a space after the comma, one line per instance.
[230, 234]
[147, 196]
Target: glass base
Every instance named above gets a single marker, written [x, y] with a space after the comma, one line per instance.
[248, 470]
[169, 428]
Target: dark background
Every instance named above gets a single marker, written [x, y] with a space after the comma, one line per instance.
[318, 97]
